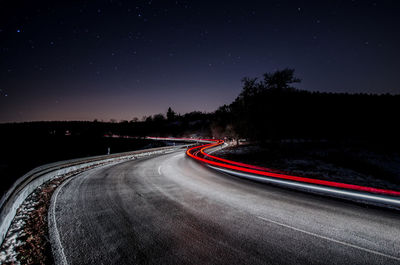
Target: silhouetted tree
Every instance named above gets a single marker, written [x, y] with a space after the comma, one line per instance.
[258, 101]
[280, 80]
[170, 114]
[158, 118]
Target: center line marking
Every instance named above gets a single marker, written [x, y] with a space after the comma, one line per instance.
[159, 170]
[330, 239]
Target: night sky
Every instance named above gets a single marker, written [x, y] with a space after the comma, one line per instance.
[85, 60]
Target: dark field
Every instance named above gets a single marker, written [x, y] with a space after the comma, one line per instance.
[354, 162]
[24, 151]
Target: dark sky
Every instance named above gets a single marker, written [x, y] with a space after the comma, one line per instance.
[81, 60]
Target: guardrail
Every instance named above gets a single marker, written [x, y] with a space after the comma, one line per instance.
[182, 140]
[25, 185]
[376, 196]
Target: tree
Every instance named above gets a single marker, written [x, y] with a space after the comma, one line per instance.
[158, 117]
[262, 100]
[147, 119]
[250, 88]
[280, 80]
[170, 114]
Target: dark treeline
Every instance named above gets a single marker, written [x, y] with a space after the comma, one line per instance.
[267, 109]
[190, 124]
[272, 109]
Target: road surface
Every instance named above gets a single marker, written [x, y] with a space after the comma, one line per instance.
[170, 209]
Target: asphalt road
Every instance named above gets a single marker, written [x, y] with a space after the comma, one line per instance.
[171, 210]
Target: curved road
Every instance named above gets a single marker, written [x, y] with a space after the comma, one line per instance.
[170, 209]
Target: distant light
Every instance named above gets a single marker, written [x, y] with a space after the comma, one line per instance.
[18, 30]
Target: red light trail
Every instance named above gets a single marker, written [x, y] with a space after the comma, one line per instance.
[198, 151]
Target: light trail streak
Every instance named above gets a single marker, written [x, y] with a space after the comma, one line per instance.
[198, 153]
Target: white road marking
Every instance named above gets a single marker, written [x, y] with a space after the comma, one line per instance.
[331, 239]
[159, 170]
[56, 232]
[60, 253]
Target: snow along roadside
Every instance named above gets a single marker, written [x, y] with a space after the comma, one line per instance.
[16, 196]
